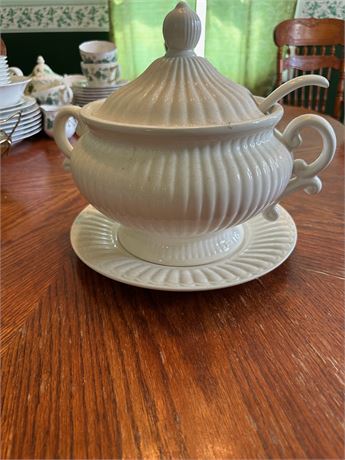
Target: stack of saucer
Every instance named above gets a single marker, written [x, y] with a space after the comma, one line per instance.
[83, 93]
[30, 122]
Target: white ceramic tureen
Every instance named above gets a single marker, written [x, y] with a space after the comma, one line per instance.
[182, 156]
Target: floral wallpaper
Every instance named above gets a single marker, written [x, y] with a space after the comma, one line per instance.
[320, 9]
[54, 18]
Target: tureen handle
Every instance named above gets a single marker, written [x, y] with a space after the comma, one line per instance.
[60, 133]
[304, 175]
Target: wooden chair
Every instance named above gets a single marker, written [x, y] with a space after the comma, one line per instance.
[312, 46]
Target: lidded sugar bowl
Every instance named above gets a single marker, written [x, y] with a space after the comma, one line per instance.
[181, 157]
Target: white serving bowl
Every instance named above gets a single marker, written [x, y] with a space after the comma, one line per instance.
[11, 93]
[98, 51]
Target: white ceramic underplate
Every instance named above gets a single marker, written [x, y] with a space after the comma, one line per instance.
[265, 246]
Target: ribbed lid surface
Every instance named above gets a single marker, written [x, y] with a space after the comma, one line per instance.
[180, 89]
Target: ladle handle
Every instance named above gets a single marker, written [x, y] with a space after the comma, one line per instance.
[292, 85]
[304, 175]
[60, 131]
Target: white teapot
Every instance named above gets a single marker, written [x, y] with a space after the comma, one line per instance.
[47, 86]
[181, 157]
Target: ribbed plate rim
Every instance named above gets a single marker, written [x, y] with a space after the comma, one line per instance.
[89, 215]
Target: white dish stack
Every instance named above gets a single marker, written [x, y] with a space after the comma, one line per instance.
[101, 71]
[83, 94]
[30, 122]
[4, 71]
[20, 116]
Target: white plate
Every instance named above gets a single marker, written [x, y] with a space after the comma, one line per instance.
[24, 123]
[22, 127]
[27, 129]
[92, 96]
[31, 111]
[29, 126]
[16, 139]
[27, 104]
[265, 246]
[95, 90]
[22, 101]
[24, 120]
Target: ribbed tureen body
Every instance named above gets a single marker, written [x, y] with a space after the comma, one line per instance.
[181, 186]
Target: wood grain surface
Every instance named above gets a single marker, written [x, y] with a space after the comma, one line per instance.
[95, 369]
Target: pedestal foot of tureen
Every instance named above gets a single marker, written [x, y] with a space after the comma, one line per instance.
[181, 252]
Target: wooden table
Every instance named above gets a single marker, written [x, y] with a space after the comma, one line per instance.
[96, 369]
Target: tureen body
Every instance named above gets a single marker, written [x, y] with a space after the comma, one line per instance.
[182, 157]
[182, 184]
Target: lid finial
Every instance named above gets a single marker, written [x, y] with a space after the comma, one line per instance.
[181, 30]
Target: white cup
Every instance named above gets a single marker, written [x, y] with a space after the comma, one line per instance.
[98, 52]
[49, 115]
[100, 75]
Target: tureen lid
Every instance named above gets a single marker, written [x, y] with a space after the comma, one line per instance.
[180, 89]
